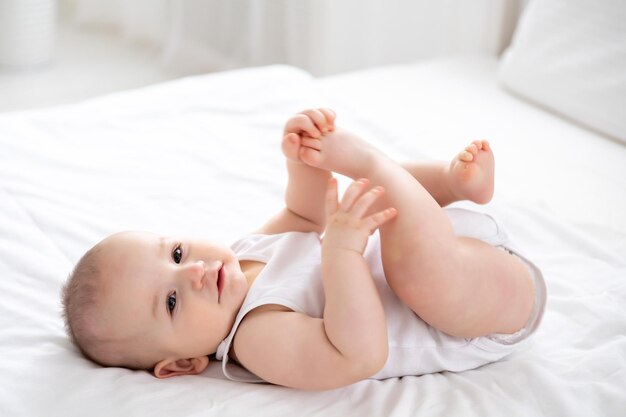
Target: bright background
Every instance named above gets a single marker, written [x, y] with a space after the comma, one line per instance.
[104, 46]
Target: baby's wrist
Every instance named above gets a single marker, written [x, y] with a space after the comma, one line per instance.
[334, 250]
[342, 248]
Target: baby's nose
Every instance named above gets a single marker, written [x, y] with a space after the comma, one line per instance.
[196, 272]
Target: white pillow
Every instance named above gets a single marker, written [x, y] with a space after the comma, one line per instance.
[570, 56]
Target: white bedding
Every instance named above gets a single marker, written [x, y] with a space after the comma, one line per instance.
[180, 157]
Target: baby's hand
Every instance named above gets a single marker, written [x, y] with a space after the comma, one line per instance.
[311, 123]
[347, 226]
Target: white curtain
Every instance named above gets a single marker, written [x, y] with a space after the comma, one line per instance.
[321, 36]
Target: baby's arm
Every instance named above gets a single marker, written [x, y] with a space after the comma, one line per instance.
[350, 342]
[353, 315]
[306, 186]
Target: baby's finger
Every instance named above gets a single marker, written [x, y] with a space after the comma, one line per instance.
[311, 143]
[291, 145]
[364, 202]
[376, 220]
[330, 117]
[352, 193]
[293, 139]
[318, 119]
[332, 203]
[302, 123]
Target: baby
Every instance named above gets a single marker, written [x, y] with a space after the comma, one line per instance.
[299, 310]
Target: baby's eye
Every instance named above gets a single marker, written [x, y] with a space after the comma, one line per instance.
[171, 302]
[177, 254]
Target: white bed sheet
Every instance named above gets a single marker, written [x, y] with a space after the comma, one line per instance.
[183, 157]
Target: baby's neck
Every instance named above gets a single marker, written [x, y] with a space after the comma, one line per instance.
[251, 270]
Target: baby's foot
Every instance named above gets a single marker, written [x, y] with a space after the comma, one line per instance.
[310, 123]
[339, 151]
[471, 173]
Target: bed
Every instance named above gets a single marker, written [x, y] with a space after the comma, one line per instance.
[179, 158]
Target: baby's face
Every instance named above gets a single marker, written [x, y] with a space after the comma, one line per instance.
[169, 297]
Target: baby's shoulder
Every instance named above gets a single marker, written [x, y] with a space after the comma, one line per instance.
[291, 348]
[254, 325]
[256, 319]
[260, 310]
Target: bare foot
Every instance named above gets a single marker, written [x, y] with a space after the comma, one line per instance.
[339, 151]
[471, 173]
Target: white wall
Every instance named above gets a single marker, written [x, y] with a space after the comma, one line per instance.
[322, 36]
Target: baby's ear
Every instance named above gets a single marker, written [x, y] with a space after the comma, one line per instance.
[173, 367]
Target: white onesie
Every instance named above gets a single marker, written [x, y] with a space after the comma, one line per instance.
[291, 278]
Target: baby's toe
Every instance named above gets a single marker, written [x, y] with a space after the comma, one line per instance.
[472, 148]
[466, 156]
[481, 144]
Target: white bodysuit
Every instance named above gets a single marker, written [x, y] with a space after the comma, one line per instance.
[291, 278]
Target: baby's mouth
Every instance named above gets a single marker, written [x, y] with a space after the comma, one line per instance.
[220, 282]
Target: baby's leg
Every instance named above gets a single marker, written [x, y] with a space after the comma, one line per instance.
[460, 285]
[469, 176]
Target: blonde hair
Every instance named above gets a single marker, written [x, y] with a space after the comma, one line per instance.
[79, 302]
[81, 315]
